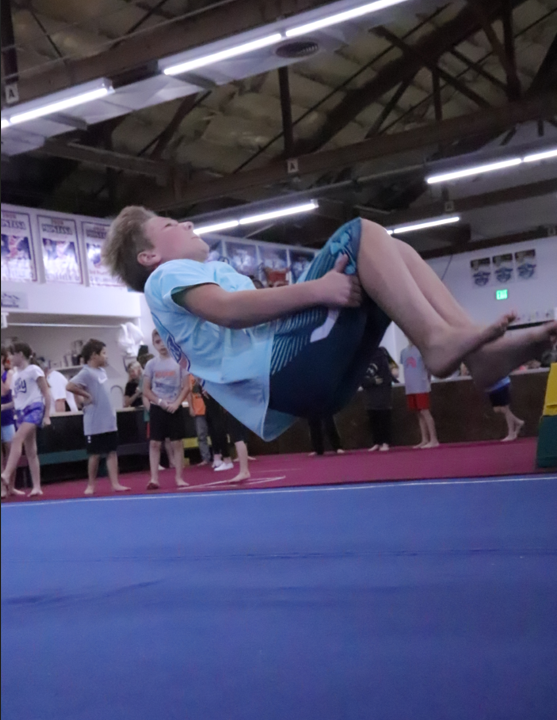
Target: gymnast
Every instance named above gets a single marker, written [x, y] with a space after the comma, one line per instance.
[302, 350]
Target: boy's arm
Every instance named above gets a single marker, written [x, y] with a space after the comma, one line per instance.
[150, 395]
[245, 308]
[184, 392]
[79, 391]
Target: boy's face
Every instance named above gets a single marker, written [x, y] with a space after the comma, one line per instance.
[172, 240]
[160, 347]
[100, 359]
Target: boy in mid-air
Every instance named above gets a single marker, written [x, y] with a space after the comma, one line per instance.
[300, 350]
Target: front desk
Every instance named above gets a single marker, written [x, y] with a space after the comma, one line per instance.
[462, 414]
[62, 445]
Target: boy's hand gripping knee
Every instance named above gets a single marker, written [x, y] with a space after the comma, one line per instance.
[340, 290]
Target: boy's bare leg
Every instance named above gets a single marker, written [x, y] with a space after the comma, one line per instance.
[112, 467]
[387, 279]
[491, 362]
[154, 463]
[11, 488]
[243, 471]
[423, 432]
[32, 455]
[92, 470]
[431, 429]
[178, 458]
[514, 424]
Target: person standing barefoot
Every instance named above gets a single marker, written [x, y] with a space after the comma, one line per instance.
[99, 417]
[418, 387]
[32, 406]
[500, 399]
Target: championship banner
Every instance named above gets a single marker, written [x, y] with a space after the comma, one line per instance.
[18, 259]
[60, 249]
[94, 235]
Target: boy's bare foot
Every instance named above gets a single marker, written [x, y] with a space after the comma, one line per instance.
[4, 491]
[384, 448]
[497, 359]
[419, 446]
[35, 492]
[240, 477]
[181, 483]
[15, 491]
[312, 454]
[518, 427]
[120, 488]
[430, 444]
[153, 485]
[444, 353]
[89, 490]
[509, 438]
[373, 448]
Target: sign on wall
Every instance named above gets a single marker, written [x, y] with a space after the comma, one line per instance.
[58, 239]
[526, 264]
[94, 235]
[18, 258]
[503, 268]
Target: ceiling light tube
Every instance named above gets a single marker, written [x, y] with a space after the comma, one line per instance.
[225, 225]
[544, 155]
[60, 101]
[342, 17]
[477, 170]
[423, 225]
[248, 47]
[283, 212]
[5, 123]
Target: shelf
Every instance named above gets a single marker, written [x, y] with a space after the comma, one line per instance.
[72, 368]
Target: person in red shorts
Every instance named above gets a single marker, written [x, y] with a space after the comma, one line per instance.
[418, 386]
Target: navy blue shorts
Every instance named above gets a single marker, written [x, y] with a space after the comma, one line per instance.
[320, 356]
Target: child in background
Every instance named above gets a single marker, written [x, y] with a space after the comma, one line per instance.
[133, 390]
[378, 397]
[302, 350]
[500, 399]
[316, 427]
[99, 416]
[198, 412]
[418, 386]
[221, 425]
[32, 411]
[8, 423]
[165, 385]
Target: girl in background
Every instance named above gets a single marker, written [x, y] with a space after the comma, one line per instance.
[32, 410]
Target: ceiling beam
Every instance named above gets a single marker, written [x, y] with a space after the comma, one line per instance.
[152, 44]
[524, 236]
[546, 77]
[433, 46]
[493, 120]
[9, 53]
[466, 204]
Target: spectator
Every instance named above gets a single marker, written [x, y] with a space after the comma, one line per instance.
[221, 424]
[418, 386]
[99, 416]
[58, 389]
[165, 385]
[378, 397]
[32, 406]
[8, 422]
[316, 425]
[198, 412]
[133, 394]
[500, 399]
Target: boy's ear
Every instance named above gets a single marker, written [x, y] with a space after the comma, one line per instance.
[148, 258]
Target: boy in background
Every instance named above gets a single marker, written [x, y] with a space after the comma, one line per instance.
[165, 385]
[99, 416]
[418, 387]
[198, 412]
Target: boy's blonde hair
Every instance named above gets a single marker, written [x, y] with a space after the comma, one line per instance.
[126, 239]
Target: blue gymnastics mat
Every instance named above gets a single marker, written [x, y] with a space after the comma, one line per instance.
[393, 601]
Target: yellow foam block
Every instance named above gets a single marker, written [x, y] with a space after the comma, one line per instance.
[550, 404]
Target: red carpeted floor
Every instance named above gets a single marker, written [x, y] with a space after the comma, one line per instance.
[465, 460]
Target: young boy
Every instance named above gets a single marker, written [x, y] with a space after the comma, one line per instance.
[300, 350]
[165, 385]
[99, 417]
[500, 399]
[417, 384]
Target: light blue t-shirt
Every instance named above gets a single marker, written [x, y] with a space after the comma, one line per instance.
[234, 364]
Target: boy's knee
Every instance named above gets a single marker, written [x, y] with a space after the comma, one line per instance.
[371, 230]
[155, 444]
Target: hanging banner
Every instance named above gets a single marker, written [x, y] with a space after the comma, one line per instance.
[275, 265]
[526, 264]
[242, 257]
[60, 249]
[503, 268]
[18, 259]
[300, 260]
[94, 235]
[481, 271]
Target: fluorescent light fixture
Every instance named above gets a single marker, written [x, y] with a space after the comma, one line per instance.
[223, 55]
[544, 155]
[342, 17]
[476, 170]
[283, 212]
[57, 102]
[226, 225]
[424, 225]
[262, 217]
[5, 123]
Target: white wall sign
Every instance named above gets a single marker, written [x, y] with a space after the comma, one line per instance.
[94, 235]
[18, 258]
[58, 238]
[14, 301]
